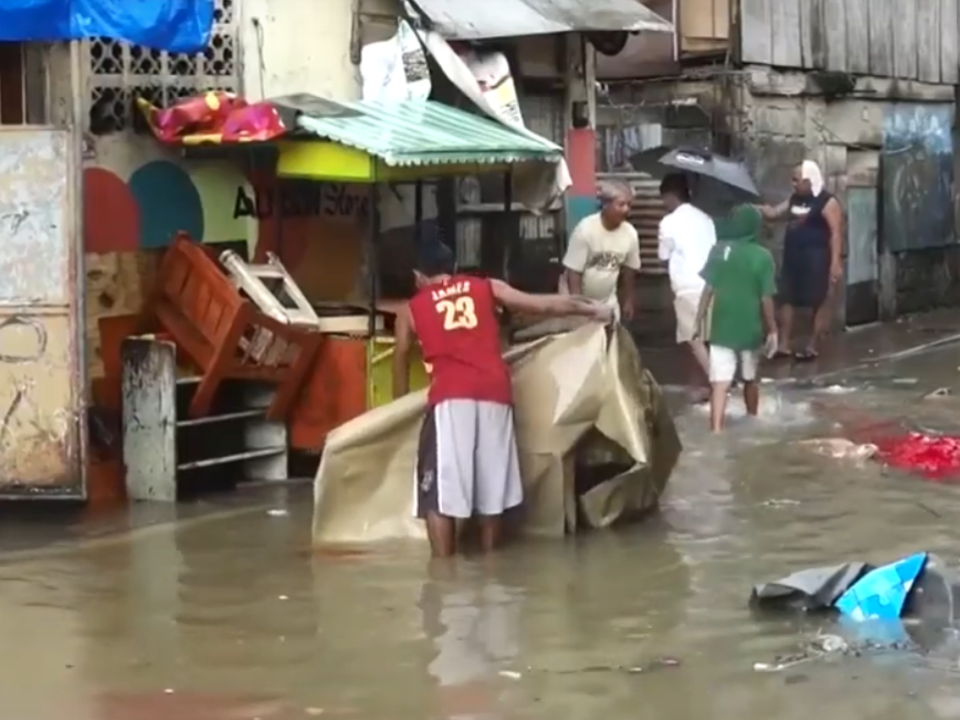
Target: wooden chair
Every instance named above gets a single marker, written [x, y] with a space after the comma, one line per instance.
[223, 333]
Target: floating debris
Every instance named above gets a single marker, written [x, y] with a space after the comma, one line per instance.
[786, 663]
[829, 645]
[655, 664]
[779, 502]
[840, 448]
[837, 389]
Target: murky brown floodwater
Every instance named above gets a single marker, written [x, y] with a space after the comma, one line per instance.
[228, 616]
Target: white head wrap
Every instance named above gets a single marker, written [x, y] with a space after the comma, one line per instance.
[809, 170]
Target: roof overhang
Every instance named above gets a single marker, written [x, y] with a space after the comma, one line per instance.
[487, 19]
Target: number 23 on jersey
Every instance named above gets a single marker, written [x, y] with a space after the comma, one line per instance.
[458, 313]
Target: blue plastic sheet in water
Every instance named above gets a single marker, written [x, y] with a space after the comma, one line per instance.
[881, 593]
[171, 25]
[877, 632]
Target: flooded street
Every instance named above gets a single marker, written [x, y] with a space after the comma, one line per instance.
[228, 614]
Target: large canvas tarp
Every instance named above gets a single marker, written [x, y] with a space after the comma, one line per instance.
[596, 445]
[171, 25]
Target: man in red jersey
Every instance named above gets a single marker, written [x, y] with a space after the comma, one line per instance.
[467, 455]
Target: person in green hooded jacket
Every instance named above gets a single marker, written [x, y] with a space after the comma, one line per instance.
[738, 299]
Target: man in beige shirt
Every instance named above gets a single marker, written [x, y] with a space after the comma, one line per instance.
[603, 256]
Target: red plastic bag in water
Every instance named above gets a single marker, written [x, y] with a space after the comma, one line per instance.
[936, 457]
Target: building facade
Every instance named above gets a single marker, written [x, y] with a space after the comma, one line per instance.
[866, 89]
[42, 426]
[93, 200]
[88, 205]
[138, 194]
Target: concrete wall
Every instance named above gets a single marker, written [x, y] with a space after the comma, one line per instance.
[786, 118]
[298, 46]
[926, 279]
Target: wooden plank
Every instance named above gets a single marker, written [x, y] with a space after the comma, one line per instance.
[949, 31]
[835, 33]
[785, 26]
[858, 36]
[905, 40]
[756, 33]
[928, 40]
[882, 17]
[806, 46]
[812, 40]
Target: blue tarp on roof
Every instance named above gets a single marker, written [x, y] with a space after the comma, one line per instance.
[171, 25]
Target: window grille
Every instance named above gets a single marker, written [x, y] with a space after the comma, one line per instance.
[119, 72]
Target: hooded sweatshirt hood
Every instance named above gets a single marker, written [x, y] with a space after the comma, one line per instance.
[742, 224]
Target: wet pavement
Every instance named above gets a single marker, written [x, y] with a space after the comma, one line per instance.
[227, 613]
[858, 347]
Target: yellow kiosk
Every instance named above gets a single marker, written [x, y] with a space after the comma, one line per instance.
[386, 143]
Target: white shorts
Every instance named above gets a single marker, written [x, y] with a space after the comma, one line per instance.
[467, 460]
[685, 306]
[724, 363]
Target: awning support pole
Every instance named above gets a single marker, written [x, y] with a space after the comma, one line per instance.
[511, 241]
[373, 232]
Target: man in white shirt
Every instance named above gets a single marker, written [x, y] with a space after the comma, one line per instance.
[603, 256]
[687, 235]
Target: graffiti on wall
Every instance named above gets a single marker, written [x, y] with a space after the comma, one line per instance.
[36, 423]
[38, 400]
[214, 203]
[917, 169]
[294, 199]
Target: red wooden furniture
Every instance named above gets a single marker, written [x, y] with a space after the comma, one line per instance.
[225, 335]
[334, 392]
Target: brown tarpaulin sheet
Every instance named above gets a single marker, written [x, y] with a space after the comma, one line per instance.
[582, 398]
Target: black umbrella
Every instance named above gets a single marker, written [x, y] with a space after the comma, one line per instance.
[705, 164]
[648, 161]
